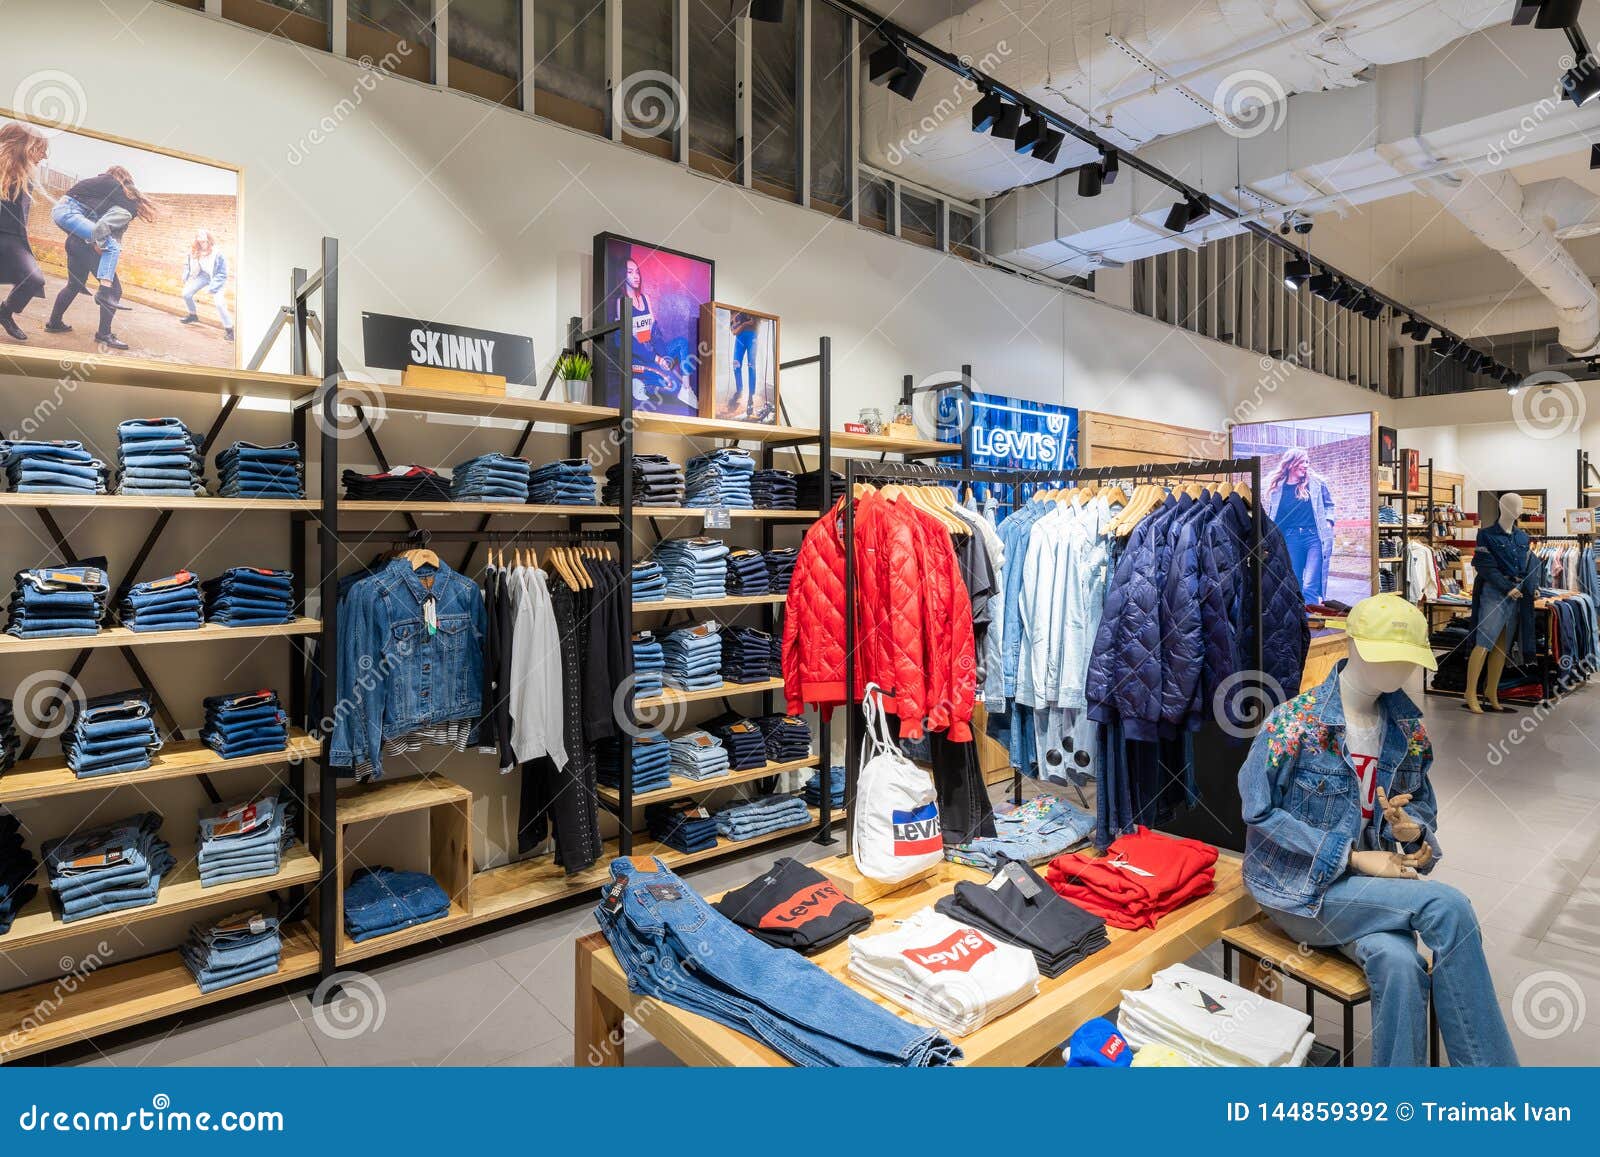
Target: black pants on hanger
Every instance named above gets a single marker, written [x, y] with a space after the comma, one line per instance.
[965, 812]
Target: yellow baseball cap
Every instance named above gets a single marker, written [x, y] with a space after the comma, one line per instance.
[1387, 629]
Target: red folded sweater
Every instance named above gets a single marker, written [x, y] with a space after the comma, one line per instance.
[1141, 878]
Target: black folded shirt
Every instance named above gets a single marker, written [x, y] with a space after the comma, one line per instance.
[1024, 910]
[795, 906]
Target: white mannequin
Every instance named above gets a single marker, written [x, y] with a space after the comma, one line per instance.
[1361, 684]
[1482, 657]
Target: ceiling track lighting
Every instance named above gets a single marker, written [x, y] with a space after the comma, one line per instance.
[1416, 330]
[1039, 139]
[891, 65]
[990, 105]
[1546, 13]
[1007, 124]
[767, 11]
[1323, 285]
[1090, 180]
[1296, 272]
[1186, 212]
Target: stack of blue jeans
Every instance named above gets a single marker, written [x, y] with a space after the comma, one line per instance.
[787, 737]
[382, 900]
[649, 665]
[244, 724]
[109, 869]
[747, 655]
[490, 478]
[812, 793]
[9, 743]
[565, 482]
[245, 470]
[720, 478]
[762, 816]
[699, 755]
[808, 488]
[245, 839]
[159, 456]
[682, 825]
[232, 950]
[56, 601]
[780, 568]
[649, 582]
[694, 657]
[747, 746]
[774, 490]
[51, 467]
[248, 596]
[17, 867]
[696, 568]
[747, 573]
[652, 761]
[166, 604]
[657, 481]
[111, 734]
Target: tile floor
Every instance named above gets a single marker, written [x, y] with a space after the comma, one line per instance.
[1520, 824]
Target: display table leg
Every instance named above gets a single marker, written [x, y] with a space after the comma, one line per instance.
[597, 1023]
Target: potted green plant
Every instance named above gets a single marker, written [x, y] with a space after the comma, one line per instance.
[575, 370]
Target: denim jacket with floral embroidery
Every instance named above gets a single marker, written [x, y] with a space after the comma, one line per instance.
[1302, 797]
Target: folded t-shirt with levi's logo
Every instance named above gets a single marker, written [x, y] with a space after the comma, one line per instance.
[795, 906]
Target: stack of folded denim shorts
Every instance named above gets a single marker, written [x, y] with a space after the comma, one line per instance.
[9, 743]
[490, 478]
[657, 481]
[780, 568]
[761, 816]
[56, 601]
[747, 655]
[747, 747]
[401, 484]
[774, 490]
[248, 596]
[720, 478]
[787, 736]
[164, 604]
[17, 867]
[565, 482]
[245, 470]
[246, 723]
[159, 456]
[808, 488]
[649, 665]
[694, 657]
[111, 734]
[682, 825]
[649, 581]
[51, 467]
[232, 949]
[109, 869]
[652, 761]
[1030, 833]
[696, 568]
[381, 900]
[698, 755]
[747, 573]
[812, 792]
[245, 839]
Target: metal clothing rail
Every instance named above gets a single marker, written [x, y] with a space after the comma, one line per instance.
[916, 473]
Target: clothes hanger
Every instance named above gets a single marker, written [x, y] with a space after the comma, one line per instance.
[419, 555]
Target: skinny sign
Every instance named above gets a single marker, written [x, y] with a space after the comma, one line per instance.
[393, 343]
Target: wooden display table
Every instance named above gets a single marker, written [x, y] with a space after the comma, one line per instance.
[1024, 1036]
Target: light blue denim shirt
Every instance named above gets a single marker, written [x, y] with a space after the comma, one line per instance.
[1302, 798]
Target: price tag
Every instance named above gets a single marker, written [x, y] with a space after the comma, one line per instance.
[718, 518]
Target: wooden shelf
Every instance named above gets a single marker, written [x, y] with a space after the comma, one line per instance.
[673, 695]
[735, 514]
[349, 950]
[373, 801]
[883, 444]
[664, 605]
[417, 400]
[37, 923]
[440, 509]
[123, 994]
[56, 365]
[682, 787]
[184, 759]
[123, 637]
[685, 426]
[153, 502]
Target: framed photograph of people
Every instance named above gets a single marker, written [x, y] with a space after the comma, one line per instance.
[117, 248]
[667, 290]
[741, 347]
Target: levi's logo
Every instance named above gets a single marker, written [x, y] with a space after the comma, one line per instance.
[958, 951]
[809, 903]
[916, 832]
[1113, 1047]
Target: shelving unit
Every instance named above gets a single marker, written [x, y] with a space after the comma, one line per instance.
[1405, 532]
[681, 786]
[124, 637]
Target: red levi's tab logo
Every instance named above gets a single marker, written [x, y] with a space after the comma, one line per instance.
[959, 952]
[1113, 1047]
[807, 904]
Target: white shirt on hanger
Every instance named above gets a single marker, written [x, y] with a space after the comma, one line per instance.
[535, 694]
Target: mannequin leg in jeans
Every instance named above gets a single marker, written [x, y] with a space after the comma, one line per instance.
[1375, 922]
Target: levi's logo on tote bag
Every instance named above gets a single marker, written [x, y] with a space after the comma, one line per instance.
[896, 831]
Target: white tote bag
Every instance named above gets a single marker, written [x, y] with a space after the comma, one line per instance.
[896, 830]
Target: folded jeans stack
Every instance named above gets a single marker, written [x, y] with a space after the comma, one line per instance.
[565, 482]
[1183, 1008]
[491, 478]
[808, 489]
[748, 655]
[747, 746]
[232, 950]
[246, 470]
[747, 573]
[110, 734]
[109, 869]
[696, 568]
[792, 905]
[649, 582]
[812, 793]
[245, 839]
[244, 724]
[1031, 833]
[380, 901]
[762, 816]
[787, 737]
[780, 568]
[159, 456]
[720, 478]
[649, 665]
[10, 744]
[698, 755]
[248, 596]
[657, 481]
[652, 761]
[693, 657]
[17, 867]
[58, 601]
[401, 484]
[683, 825]
[51, 467]
[1019, 908]
[164, 604]
[774, 490]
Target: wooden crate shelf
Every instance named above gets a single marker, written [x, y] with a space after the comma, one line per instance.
[123, 637]
[374, 801]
